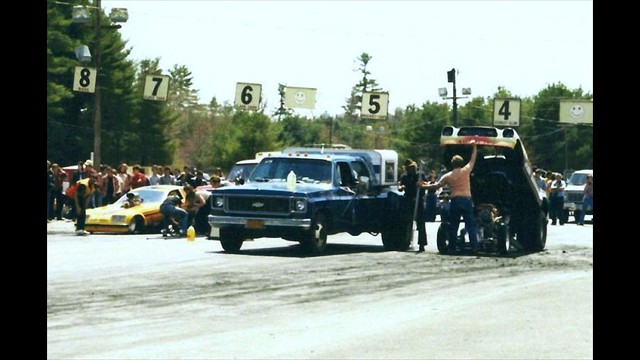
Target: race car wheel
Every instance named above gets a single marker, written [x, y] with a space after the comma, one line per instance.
[502, 236]
[136, 225]
[533, 235]
[442, 240]
[230, 241]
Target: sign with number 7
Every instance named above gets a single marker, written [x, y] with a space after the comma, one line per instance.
[156, 87]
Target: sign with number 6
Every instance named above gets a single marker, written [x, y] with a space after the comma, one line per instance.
[84, 79]
[156, 87]
[248, 96]
[374, 105]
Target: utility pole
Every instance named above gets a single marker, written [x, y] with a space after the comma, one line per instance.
[451, 77]
[97, 109]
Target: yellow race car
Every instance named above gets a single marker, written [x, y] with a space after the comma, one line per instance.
[136, 212]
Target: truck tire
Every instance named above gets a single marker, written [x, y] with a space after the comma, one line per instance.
[315, 242]
[230, 241]
[502, 236]
[396, 238]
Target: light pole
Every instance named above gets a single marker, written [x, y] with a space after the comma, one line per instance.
[80, 16]
[325, 116]
[451, 77]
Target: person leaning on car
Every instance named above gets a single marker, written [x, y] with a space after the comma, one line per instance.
[82, 199]
[170, 209]
[461, 204]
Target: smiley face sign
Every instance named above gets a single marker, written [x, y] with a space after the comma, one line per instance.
[576, 111]
[300, 97]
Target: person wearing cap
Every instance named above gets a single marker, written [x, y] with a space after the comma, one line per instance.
[413, 185]
[540, 179]
[461, 203]
[96, 198]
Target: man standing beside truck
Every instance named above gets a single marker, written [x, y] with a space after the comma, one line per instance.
[412, 183]
[587, 199]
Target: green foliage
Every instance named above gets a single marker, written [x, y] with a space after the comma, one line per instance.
[354, 100]
[181, 131]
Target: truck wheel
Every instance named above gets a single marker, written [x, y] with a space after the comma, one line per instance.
[230, 241]
[316, 241]
[502, 235]
[442, 240]
[396, 238]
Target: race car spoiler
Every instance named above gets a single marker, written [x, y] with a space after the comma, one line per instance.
[483, 135]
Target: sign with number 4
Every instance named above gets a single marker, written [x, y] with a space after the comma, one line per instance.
[84, 79]
[506, 112]
[156, 87]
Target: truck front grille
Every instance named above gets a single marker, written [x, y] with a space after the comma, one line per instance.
[257, 204]
[573, 196]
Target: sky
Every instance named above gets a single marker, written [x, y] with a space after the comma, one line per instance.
[520, 45]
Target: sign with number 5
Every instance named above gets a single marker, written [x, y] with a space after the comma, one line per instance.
[84, 79]
[506, 112]
[374, 105]
[156, 87]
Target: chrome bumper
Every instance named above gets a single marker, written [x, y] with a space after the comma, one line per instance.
[218, 221]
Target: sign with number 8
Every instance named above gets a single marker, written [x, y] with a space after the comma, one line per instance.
[84, 79]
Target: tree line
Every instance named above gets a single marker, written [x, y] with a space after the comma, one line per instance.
[187, 131]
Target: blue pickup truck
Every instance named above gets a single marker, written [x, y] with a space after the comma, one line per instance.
[306, 194]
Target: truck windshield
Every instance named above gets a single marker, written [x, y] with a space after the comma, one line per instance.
[578, 179]
[306, 170]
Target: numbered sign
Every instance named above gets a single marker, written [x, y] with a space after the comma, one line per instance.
[375, 105]
[248, 96]
[156, 87]
[506, 112]
[84, 79]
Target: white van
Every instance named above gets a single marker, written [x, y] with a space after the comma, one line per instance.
[573, 194]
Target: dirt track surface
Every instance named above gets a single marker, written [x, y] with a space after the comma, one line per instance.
[137, 296]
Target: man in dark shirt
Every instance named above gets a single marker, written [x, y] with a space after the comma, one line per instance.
[171, 211]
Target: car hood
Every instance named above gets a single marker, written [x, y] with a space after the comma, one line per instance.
[116, 209]
[272, 187]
